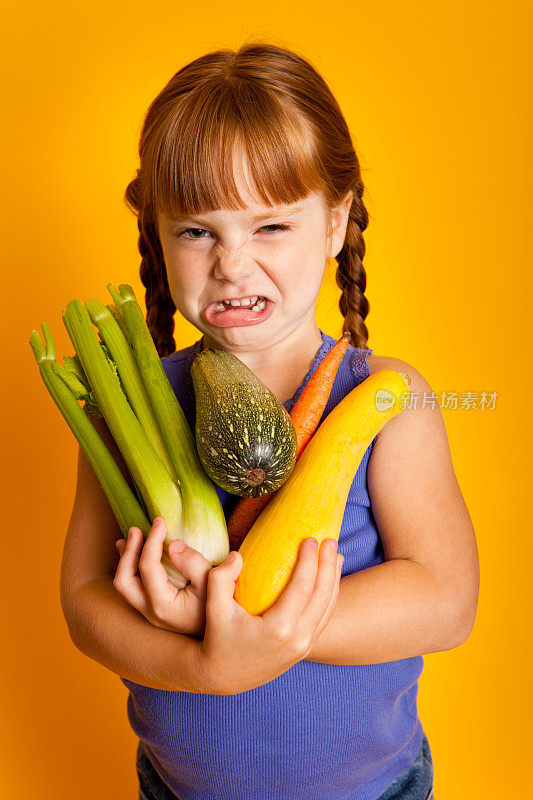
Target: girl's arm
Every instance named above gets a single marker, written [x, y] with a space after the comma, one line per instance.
[101, 623]
[423, 597]
[106, 628]
[239, 651]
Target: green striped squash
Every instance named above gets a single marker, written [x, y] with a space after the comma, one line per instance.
[245, 439]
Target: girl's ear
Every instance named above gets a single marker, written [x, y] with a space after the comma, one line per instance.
[338, 223]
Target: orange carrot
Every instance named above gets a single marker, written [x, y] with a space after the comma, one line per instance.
[305, 415]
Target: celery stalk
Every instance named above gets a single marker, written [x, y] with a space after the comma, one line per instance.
[119, 319]
[71, 373]
[76, 386]
[122, 355]
[203, 522]
[160, 493]
[123, 502]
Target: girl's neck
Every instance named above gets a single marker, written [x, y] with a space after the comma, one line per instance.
[282, 366]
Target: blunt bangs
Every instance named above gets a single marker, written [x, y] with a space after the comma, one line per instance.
[189, 161]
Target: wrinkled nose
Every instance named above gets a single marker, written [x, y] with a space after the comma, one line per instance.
[232, 264]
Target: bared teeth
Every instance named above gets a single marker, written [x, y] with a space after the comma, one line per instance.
[245, 302]
[258, 306]
[256, 303]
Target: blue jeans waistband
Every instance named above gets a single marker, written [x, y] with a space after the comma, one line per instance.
[414, 783]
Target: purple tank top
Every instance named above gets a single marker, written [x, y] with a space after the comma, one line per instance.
[328, 731]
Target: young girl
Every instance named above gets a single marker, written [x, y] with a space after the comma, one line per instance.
[248, 183]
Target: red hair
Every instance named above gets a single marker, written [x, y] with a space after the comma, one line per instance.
[275, 106]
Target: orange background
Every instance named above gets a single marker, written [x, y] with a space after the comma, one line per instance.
[437, 99]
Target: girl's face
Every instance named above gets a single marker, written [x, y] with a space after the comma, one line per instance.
[278, 254]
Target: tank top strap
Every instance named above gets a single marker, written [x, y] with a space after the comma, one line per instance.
[360, 372]
[359, 364]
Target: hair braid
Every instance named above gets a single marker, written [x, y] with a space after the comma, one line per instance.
[351, 275]
[160, 308]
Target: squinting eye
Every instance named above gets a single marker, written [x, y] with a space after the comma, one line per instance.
[201, 230]
[279, 226]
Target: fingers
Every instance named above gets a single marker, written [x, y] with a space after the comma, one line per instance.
[191, 563]
[324, 583]
[152, 592]
[126, 581]
[312, 592]
[154, 575]
[333, 598]
[221, 587]
[296, 595]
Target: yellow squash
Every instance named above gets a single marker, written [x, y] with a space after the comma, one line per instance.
[312, 500]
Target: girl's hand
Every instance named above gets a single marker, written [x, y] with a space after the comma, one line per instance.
[165, 606]
[241, 651]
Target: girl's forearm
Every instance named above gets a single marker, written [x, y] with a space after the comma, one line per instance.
[394, 610]
[106, 628]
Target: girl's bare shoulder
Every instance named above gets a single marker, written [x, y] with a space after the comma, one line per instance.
[416, 437]
[376, 362]
[420, 419]
[418, 381]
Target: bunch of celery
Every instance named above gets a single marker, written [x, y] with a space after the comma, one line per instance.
[119, 376]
